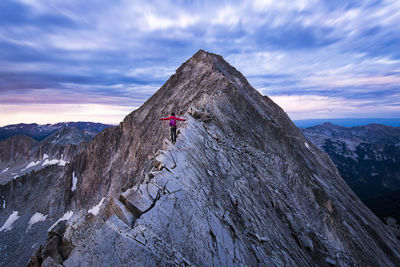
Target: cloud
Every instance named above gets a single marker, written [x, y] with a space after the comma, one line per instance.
[300, 107]
[118, 53]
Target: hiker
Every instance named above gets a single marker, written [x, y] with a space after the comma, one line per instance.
[172, 125]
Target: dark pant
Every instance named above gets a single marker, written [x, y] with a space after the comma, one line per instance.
[173, 133]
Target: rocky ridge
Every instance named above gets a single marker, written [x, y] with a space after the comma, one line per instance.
[242, 186]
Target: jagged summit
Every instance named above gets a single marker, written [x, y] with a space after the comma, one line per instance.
[207, 83]
[204, 74]
[242, 186]
[217, 63]
[247, 182]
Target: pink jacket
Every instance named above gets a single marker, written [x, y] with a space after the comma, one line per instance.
[172, 120]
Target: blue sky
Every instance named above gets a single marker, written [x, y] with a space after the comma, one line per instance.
[98, 60]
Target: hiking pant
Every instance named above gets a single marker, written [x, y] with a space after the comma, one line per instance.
[173, 133]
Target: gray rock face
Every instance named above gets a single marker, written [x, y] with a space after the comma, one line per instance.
[15, 150]
[242, 186]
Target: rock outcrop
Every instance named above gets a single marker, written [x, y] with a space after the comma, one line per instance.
[242, 186]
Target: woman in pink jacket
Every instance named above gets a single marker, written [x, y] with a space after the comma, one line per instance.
[172, 125]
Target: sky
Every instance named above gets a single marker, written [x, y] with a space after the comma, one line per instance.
[98, 60]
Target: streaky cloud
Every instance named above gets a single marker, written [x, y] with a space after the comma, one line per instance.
[99, 52]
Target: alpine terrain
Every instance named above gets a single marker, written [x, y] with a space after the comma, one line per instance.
[20, 154]
[40, 132]
[242, 186]
[367, 158]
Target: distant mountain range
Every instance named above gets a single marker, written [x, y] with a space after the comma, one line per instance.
[368, 159]
[39, 132]
[32, 147]
[349, 122]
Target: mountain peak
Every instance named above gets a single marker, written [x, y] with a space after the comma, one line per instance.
[204, 55]
[201, 54]
[204, 62]
[208, 83]
[194, 83]
[244, 182]
[327, 126]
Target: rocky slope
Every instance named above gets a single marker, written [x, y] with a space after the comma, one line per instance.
[241, 187]
[36, 189]
[29, 206]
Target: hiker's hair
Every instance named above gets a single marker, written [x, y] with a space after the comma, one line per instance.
[172, 114]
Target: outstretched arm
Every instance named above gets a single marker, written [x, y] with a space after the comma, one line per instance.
[178, 119]
[164, 119]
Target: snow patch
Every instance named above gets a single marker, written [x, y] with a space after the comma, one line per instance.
[45, 156]
[5, 170]
[74, 181]
[50, 162]
[4, 204]
[8, 224]
[307, 146]
[31, 164]
[59, 162]
[96, 209]
[15, 177]
[37, 217]
[65, 217]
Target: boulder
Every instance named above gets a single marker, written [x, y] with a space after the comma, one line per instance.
[122, 212]
[136, 202]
